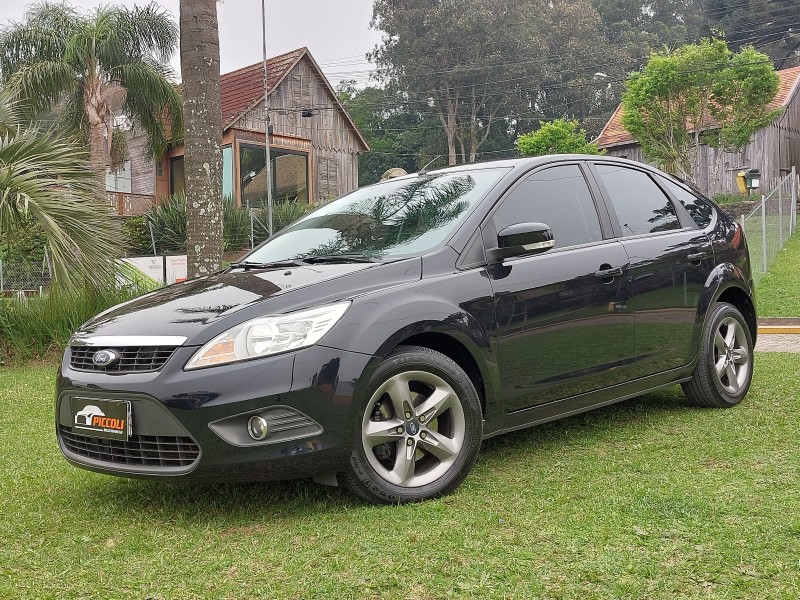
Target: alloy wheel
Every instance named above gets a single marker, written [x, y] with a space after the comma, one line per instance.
[413, 429]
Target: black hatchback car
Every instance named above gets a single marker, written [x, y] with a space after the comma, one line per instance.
[375, 342]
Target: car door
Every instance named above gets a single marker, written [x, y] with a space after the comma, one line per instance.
[670, 259]
[563, 323]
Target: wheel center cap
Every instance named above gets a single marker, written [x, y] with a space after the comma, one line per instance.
[412, 428]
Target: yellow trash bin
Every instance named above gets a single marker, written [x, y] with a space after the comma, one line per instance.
[741, 182]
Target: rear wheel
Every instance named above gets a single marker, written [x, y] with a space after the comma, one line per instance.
[420, 430]
[725, 367]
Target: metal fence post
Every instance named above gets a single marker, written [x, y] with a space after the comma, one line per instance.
[763, 233]
[793, 209]
[2, 286]
[780, 215]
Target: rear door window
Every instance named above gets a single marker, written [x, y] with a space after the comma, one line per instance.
[640, 204]
[700, 210]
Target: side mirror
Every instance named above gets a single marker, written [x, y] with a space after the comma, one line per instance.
[521, 239]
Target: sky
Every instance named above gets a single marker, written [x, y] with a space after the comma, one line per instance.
[335, 31]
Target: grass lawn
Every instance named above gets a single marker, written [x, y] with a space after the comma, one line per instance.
[778, 291]
[650, 498]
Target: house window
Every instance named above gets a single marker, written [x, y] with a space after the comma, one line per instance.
[328, 178]
[289, 175]
[119, 180]
[227, 172]
[177, 176]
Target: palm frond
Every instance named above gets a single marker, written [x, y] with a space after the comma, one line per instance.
[43, 36]
[153, 103]
[149, 31]
[42, 83]
[48, 179]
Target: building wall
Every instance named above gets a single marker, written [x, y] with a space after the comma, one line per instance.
[143, 173]
[334, 145]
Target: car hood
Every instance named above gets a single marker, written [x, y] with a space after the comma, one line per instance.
[201, 308]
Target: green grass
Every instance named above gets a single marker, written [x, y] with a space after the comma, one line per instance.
[650, 498]
[778, 291]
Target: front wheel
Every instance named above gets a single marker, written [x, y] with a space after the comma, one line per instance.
[420, 430]
[725, 367]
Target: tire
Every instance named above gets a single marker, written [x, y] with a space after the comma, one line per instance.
[419, 431]
[724, 370]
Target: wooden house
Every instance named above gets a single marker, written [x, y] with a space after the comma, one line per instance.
[774, 149]
[314, 144]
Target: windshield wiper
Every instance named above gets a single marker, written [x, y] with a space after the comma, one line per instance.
[277, 264]
[334, 258]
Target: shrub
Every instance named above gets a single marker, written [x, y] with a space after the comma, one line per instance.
[168, 222]
[37, 326]
[561, 136]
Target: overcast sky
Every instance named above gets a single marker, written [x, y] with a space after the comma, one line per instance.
[335, 31]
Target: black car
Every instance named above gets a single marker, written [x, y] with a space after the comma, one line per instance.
[375, 342]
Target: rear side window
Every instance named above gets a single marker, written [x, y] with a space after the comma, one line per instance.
[640, 204]
[558, 197]
[700, 210]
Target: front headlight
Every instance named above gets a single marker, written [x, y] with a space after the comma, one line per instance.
[269, 335]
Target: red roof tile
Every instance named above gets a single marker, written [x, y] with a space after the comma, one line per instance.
[614, 134]
[242, 88]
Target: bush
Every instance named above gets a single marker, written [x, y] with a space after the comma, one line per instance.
[37, 326]
[235, 226]
[168, 222]
[561, 136]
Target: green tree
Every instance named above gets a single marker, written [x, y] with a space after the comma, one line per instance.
[46, 179]
[561, 136]
[84, 64]
[203, 160]
[483, 67]
[769, 25]
[698, 94]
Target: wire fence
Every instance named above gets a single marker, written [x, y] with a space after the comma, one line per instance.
[21, 278]
[771, 223]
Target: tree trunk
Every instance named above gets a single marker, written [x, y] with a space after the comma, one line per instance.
[203, 135]
[448, 120]
[96, 110]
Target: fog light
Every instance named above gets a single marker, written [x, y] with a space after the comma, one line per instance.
[258, 428]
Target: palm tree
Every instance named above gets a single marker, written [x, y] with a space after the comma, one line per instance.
[81, 64]
[47, 178]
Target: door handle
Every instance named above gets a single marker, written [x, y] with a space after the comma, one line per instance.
[608, 273]
[697, 257]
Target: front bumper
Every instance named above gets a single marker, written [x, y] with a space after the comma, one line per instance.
[192, 424]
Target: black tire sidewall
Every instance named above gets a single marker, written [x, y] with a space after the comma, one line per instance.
[371, 485]
[720, 312]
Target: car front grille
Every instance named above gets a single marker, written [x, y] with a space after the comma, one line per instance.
[133, 359]
[141, 450]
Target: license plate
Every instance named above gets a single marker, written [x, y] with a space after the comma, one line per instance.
[101, 418]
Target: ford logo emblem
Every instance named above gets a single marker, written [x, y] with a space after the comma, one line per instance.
[105, 358]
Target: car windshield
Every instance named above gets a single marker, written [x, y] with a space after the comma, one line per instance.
[389, 220]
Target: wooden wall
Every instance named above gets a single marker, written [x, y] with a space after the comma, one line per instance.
[143, 173]
[334, 144]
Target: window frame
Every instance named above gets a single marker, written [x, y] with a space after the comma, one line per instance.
[684, 219]
[489, 231]
[275, 152]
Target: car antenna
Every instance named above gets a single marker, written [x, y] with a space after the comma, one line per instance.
[423, 170]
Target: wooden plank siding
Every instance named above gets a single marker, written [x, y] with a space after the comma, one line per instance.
[143, 177]
[774, 150]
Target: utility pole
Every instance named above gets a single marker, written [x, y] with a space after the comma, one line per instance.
[266, 116]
